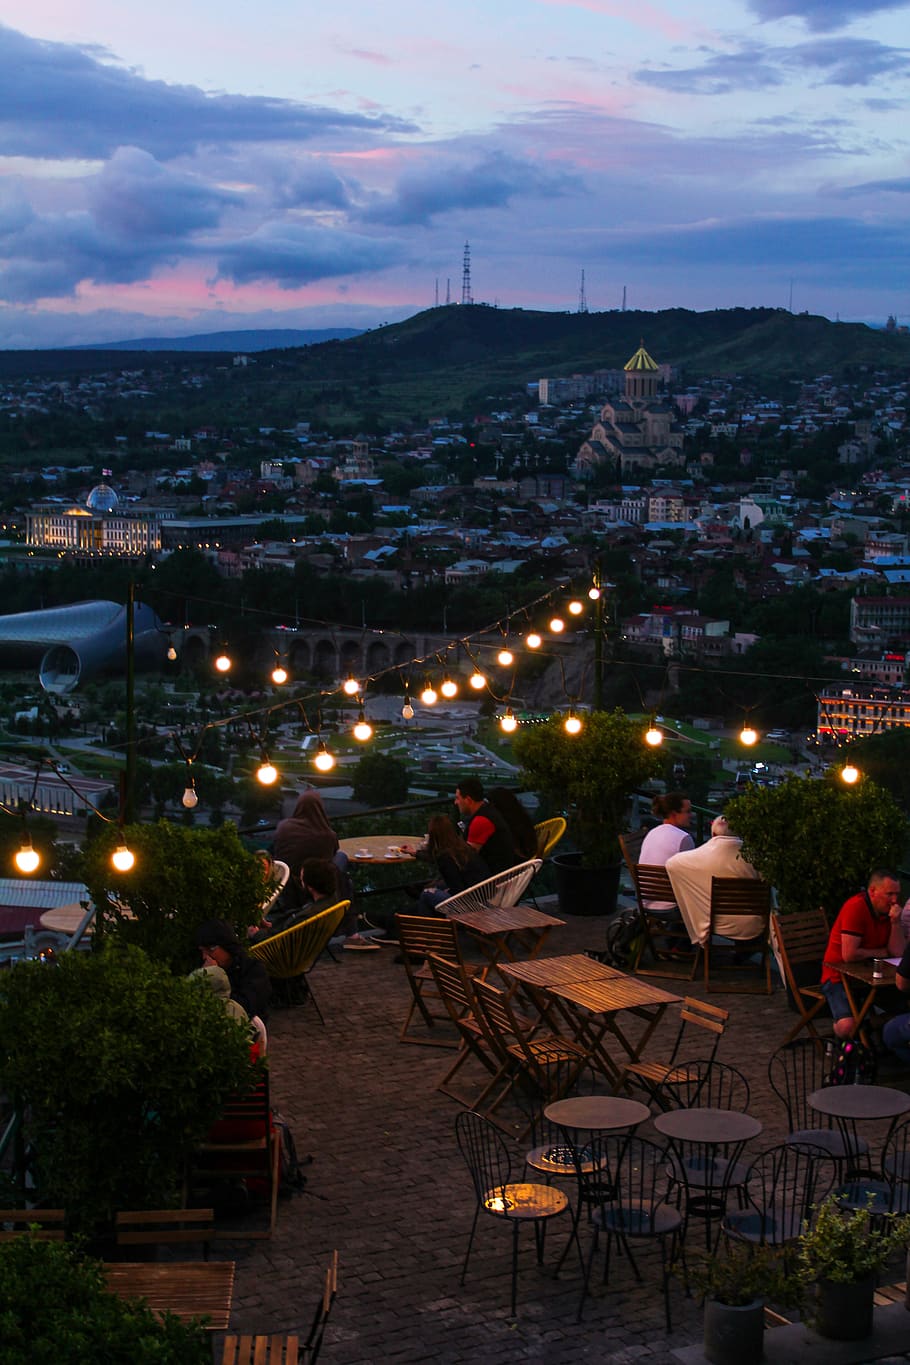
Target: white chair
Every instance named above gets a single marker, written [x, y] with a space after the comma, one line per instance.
[505, 889]
[282, 872]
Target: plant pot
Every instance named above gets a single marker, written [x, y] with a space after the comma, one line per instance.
[734, 1334]
[585, 890]
[844, 1311]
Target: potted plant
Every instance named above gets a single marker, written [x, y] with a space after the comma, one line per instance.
[815, 840]
[591, 776]
[735, 1286]
[841, 1254]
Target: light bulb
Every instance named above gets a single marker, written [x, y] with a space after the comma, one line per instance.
[223, 663]
[266, 773]
[449, 688]
[428, 696]
[572, 724]
[849, 774]
[508, 723]
[28, 859]
[594, 594]
[363, 730]
[505, 658]
[324, 760]
[653, 736]
[122, 858]
[533, 641]
[189, 797]
[557, 625]
[407, 711]
[350, 686]
[279, 675]
[477, 680]
[171, 652]
[748, 736]
[576, 607]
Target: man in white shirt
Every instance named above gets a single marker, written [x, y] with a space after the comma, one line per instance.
[690, 875]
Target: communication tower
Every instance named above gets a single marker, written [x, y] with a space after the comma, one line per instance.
[466, 295]
[582, 296]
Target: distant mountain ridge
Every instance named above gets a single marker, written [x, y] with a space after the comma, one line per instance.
[243, 340]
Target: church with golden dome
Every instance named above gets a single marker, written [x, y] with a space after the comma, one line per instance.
[636, 433]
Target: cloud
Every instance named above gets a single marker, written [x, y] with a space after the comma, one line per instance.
[822, 16]
[293, 255]
[835, 61]
[134, 196]
[60, 101]
[901, 186]
[450, 184]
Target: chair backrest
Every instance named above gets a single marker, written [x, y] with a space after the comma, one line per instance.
[313, 1343]
[896, 1164]
[420, 935]
[704, 1084]
[245, 1119]
[802, 940]
[628, 1173]
[794, 1071]
[453, 985]
[294, 950]
[732, 896]
[549, 833]
[46, 1225]
[151, 1227]
[785, 1184]
[282, 875]
[652, 883]
[631, 843]
[698, 1014]
[487, 1158]
[505, 889]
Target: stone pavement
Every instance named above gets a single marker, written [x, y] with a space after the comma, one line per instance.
[388, 1188]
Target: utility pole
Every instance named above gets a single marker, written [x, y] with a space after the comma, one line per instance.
[128, 792]
[598, 639]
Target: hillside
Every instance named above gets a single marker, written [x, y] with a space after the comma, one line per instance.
[247, 340]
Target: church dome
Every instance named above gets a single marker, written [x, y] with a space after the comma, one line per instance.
[102, 499]
[641, 361]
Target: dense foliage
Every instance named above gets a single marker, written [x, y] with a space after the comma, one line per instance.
[381, 780]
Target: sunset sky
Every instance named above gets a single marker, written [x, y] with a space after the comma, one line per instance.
[194, 166]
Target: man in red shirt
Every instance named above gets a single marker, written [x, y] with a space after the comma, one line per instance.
[868, 925]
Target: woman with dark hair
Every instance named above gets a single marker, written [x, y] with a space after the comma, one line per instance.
[519, 822]
[674, 810]
[458, 865]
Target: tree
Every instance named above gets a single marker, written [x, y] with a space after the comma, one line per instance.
[381, 780]
[885, 758]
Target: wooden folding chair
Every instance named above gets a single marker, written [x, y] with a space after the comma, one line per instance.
[454, 989]
[158, 1227]
[280, 1349]
[243, 1144]
[801, 940]
[419, 936]
[651, 883]
[45, 1225]
[694, 1015]
[293, 952]
[739, 898]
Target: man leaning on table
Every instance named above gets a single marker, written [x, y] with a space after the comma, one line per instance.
[868, 925]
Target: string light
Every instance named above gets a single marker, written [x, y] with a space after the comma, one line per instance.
[576, 607]
[557, 625]
[223, 662]
[449, 687]
[27, 859]
[594, 594]
[572, 724]
[189, 797]
[477, 680]
[505, 658]
[122, 859]
[849, 774]
[429, 696]
[748, 736]
[350, 687]
[279, 675]
[171, 651]
[323, 760]
[508, 723]
[266, 773]
[363, 730]
[654, 736]
[407, 711]
[533, 641]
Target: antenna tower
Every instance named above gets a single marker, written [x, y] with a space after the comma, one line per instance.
[437, 291]
[582, 296]
[466, 296]
[448, 290]
[624, 298]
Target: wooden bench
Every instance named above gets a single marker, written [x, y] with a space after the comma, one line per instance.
[46, 1225]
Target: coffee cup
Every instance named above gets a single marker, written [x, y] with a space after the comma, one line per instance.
[363, 853]
[393, 851]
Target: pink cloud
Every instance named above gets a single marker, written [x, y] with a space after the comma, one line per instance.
[643, 16]
[364, 55]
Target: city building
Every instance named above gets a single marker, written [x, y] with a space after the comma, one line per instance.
[861, 710]
[638, 431]
[100, 527]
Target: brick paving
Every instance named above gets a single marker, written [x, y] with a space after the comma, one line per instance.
[388, 1188]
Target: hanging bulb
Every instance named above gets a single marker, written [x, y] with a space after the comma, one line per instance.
[323, 760]
[594, 594]
[533, 641]
[572, 724]
[449, 688]
[279, 675]
[505, 658]
[266, 773]
[508, 723]
[477, 680]
[28, 859]
[428, 696]
[849, 774]
[171, 651]
[653, 735]
[407, 711]
[576, 607]
[122, 858]
[557, 625]
[363, 730]
[748, 736]
[350, 687]
[189, 797]
[223, 662]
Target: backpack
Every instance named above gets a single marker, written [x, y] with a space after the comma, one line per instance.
[290, 1167]
[622, 939]
[853, 1064]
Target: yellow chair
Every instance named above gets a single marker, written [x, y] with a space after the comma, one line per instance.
[549, 833]
[293, 952]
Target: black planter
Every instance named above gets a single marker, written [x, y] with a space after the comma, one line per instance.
[843, 1312]
[585, 890]
[734, 1334]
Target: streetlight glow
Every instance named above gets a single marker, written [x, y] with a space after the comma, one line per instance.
[28, 858]
[123, 859]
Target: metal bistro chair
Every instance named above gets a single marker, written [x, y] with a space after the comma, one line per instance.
[419, 936]
[794, 1072]
[487, 1158]
[801, 939]
[293, 953]
[781, 1189]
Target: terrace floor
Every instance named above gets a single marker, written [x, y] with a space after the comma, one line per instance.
[388, 1188]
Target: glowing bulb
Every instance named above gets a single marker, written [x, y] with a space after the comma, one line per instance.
[171, 652]
[323, 760]
[849, 774]
[428, 696]
[267, 773]
[363, 730]
[279, 675]
[27, 859]
[572, 724]
[557, 625]
[594, 594]
[505, 658]
[407, 711]
[350, 687]
[223, 663]
[748, 736]
[122, 859]
[653, 736]
[189, 797]
[477, 680]
[449, 688]
[508, 723]
[576, 607]
[533, 641]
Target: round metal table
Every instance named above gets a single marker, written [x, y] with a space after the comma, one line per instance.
[597, 1113]
[854, 1102]
[706, 1146]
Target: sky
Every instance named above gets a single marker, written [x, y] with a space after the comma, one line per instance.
[204, 165]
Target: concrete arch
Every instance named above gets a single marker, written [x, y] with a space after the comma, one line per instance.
[378, 657]
[325, 660]
[300, 657]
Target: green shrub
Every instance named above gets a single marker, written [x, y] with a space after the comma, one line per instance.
[181, 877]
[119, 1068]
[55, 1310]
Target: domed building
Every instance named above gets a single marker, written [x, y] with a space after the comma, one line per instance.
[102, 499]
[638, 432]
[97, 527]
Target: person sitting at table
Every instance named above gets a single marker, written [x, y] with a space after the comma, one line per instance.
[250, 984]
[518, 821]
[674, 809]
[485, 831]
[896, 1032]
[456, 862]
[307, 834]
[868, 925]
[319, 883]
[690, 874]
